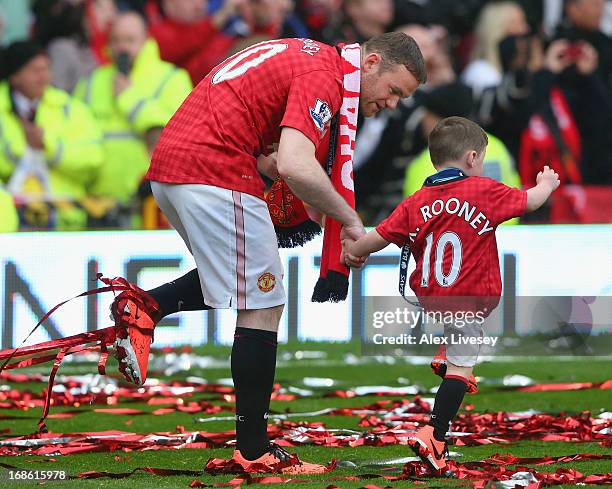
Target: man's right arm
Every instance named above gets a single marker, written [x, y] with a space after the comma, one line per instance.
[299, 168]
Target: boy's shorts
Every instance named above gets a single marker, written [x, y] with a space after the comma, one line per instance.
[232, 238]
[459, 353]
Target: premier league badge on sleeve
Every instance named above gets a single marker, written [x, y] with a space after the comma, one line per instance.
[321, 114]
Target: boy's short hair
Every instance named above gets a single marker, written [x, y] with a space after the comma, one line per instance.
[453, 137]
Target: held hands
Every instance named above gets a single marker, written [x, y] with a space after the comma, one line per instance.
[348, 235]
[549, 178]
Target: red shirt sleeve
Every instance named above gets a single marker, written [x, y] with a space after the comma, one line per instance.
[505, 202]
[314, 98]
[395, 227]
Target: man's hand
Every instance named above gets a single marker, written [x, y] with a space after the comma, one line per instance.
[556, 58]
[548, 177]
[587, 61]
[33, 134]
[348, 235]
[352, 231]
[121, 83]
[268, 165]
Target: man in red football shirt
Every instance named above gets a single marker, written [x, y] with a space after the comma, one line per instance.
[449, 226]
[267, 108]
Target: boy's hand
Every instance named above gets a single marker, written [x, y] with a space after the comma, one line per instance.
[348, 258]
[548, 177]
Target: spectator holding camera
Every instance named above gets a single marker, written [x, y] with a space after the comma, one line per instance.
[551, 108]
[132, 98]
[583, 23]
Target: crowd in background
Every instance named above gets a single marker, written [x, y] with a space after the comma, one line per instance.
[86, 86]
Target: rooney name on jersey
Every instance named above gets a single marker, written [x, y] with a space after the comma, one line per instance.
[462, 210]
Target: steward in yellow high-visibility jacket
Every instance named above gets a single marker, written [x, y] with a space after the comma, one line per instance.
[151, 93]
[50, 145]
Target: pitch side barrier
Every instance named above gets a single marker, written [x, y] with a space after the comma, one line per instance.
[560, 267]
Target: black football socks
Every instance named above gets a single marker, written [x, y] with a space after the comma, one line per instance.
[253, 365]
[448, 401]
[182, 294]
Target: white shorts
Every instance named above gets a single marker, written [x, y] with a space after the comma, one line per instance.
[232, 239]
[459, 353]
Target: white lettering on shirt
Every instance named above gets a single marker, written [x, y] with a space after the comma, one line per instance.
[310, 47]
[463, 210]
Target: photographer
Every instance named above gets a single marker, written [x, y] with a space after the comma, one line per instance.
[551, 108]
[583, 23]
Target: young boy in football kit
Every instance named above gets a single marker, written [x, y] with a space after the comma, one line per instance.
[449, 226]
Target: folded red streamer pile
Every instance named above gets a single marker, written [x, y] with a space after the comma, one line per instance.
[497, 468]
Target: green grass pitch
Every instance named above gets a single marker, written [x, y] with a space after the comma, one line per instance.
[291, 373]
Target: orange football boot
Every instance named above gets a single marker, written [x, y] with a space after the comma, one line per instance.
[432, 452]
[279, 460]
[135, 314]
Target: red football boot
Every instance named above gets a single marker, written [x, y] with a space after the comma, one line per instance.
[135, 314]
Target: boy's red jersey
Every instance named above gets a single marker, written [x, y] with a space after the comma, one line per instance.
[449, 225]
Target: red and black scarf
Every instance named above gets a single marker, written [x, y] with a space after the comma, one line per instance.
[291, 221]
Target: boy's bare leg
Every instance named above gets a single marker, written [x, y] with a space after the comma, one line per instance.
[464, 372]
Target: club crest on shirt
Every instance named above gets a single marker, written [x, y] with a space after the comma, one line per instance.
[321, 114]
[266, 282]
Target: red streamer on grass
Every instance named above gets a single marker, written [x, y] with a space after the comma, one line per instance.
[495, 468]
[566, 386]
[76, 393]
[479, 429]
